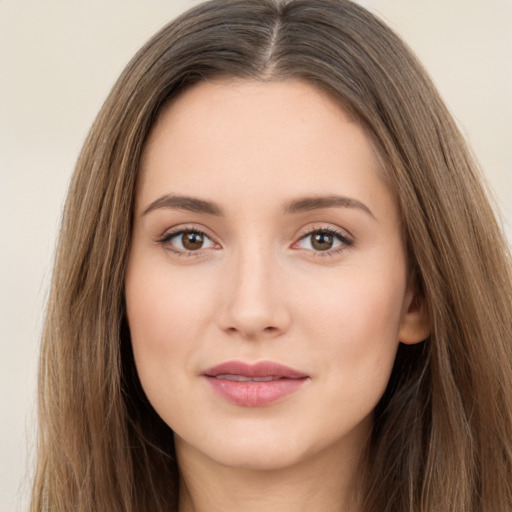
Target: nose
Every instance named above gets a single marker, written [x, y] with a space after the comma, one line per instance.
[255, 302]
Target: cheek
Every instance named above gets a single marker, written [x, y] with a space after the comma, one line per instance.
[163, 302]
[356, 325]
[356, 337]
[166, 314]
[357, 304]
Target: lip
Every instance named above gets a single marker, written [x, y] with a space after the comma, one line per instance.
[254, 385]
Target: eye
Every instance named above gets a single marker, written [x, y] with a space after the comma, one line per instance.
[187, 241]
[324, 240]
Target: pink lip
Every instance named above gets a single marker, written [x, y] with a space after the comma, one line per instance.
[254, 393]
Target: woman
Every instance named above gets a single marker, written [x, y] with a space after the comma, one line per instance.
[272, 198]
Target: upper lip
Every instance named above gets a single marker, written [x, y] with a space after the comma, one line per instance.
[261, 369]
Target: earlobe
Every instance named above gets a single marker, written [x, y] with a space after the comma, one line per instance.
[415, 325]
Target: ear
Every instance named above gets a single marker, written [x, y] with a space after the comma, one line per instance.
[415, 324]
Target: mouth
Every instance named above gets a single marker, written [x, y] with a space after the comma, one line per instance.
[242, 378]
[254, 385]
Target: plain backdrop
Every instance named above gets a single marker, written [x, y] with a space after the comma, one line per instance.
[58, 60]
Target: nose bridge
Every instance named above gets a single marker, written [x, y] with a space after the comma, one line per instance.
[255, 305]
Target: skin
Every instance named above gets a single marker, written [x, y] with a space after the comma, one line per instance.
[260, 289]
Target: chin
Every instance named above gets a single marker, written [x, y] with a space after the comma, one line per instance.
[273, 449]
[258, 457]
[254, 448]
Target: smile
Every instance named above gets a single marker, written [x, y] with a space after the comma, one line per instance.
[254, 385]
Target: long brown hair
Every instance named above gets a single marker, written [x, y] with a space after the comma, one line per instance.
[442, 438]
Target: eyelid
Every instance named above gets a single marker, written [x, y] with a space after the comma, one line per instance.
[176, 231]
[346, 240]
[342, 235]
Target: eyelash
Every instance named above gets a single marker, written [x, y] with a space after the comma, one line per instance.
[345, 241]
[167, 237]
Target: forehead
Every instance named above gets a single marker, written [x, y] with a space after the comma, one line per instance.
[259, 136]
[249, 104]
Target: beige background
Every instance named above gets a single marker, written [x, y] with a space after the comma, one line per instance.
[58, 59]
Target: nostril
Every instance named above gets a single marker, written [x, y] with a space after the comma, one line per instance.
[253, 333]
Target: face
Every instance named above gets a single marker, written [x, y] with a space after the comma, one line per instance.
[266, 286]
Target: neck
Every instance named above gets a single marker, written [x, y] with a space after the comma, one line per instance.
[324, 482]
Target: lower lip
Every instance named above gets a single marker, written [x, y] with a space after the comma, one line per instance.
[255, 393]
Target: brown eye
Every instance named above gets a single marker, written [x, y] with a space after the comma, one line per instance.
[187, 241]
[322, 241]
[192, 240]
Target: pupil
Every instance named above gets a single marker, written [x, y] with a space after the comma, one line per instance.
[192, 241]
[322, 241]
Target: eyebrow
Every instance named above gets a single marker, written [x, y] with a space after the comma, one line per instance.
[304, 204]
[307, 204]
[190, 204]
